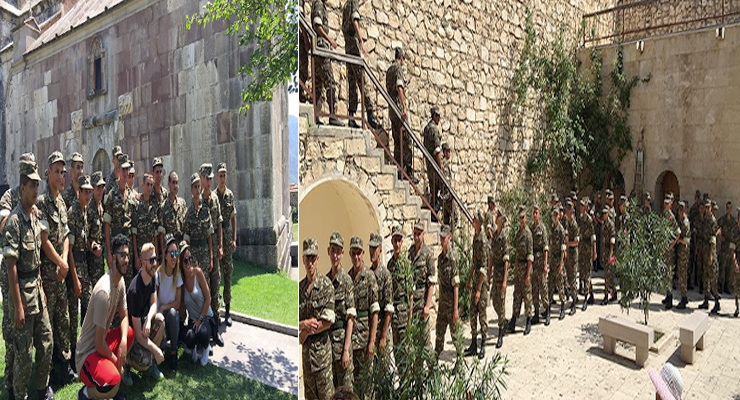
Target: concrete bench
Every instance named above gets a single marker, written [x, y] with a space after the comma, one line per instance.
[691, 335]
[613, 329]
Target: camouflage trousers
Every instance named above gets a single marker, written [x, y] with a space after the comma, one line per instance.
[434, 184]
[361, 362]
[736, 282]
[448, 211]
[669, 261]
[726, 270]
[540, 292]
[478, 315]
[317, 385]
[8, 322]
[585, 264]
[571, 278]
[498, 298]
[444, 319]
[399, 321]
[227, 269]
[36, 334]
[56, 300]
[682, 262]
[609, 282]
[354, 81]
[522, 291]
[302, 63]
[555, 279]
[710, 274]
[325, 82]
[342, 376]
[214, 284]
[96, 269]
[399, 148]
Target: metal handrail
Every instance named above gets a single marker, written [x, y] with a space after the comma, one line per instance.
[355, 60]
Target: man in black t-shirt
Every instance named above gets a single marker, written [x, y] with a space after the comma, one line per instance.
[141, 299]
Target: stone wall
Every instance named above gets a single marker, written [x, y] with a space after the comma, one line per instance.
[461, 56]
[169, 92]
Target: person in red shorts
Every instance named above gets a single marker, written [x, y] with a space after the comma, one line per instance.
[101, 352]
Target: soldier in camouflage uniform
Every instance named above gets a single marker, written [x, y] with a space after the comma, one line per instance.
[197, 228]
[682, 253]
[425, 276]
[112, 180]
[367, 307]
[174, 208]
[70, 194]
[586, 252]
[449, 282]
[558, 248]
[669, 253]
[608, 239]
[316, 315]
[79, 284]
[211, 201]
[130, 180]
[54, 267]
[118, 204]
[27, 304]
[571, 260]
[402, 288]
[344, 308]
[324, 75]
[523, 270]
[228, 213]
[353, 43]
[433, 144]
[479, 279]
[385, 292]
[95, 235]
[709, 255]
[144, 219]
[541, 252]
[448, 207]
[726, 265]
[158, 197]
[490, 221]
[395, 84]
[500, 273]
[736, 268]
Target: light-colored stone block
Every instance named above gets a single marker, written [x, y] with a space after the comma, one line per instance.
[613, 329]
[691, 335]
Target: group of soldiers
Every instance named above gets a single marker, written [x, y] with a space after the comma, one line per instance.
[55, 251]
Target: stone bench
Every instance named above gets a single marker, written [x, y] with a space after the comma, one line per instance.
[691, 335]
[613, 329]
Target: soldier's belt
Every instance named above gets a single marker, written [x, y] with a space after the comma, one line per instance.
[363, 313]
[79, 256]
[521, 260]
[225, 224]
[537, 250]
[448, 289]
[339, 324]
[27, 274]
[125, 232]
[317, 337]
[198, 242]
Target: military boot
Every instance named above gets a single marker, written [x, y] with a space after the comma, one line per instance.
[472, 349]
[669, 301]
[585, 305]
[227, 319]
[352, 123]
[371, 120]
[562, 310]
[573, 306]
[536, 318]
[591, 298]
[500, 340]
[682, 304]
[528, 327]
[547, 317]
[715, 309]
[482, 349]
[737, 309]
[606, 299]
[614, 295]
[705, 304]
[512, 324]
[68, 374]
[46, 394]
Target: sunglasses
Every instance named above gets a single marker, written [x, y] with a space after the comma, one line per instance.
[174, 254]
[122, 254]
[153, 260]
[187, 260]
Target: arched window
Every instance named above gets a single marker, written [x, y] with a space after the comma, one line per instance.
[97, 82]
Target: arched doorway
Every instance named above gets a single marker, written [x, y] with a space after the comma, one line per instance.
[101, 162]
[335, 205]
[666, 182]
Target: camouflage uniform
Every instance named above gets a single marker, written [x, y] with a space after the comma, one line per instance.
[316, 350]
[735, 273]
[608, 237]
[669, 254]
[366, 303]
[78, 228]
[402, 309]
[726, 266]
[448, 280]
[710, 269]
[144, 223]
[112, 180]
[539, 285]
[500, 255]
[324, 75]
[226, 200]
[571, 261]
[96, 265]
[173, 216]
[118, 210]
[344, 308]
[433, 144]
[682, 255]
[448, 209]
[195, 230]
[393, 79]
[425, 274]
[22, 237]
[214, 276]
[555, 277]
[350, 14]
[522, 291]
[385, 300]
[69, 195]
[585, 250]
[480, 272]
[10, 199]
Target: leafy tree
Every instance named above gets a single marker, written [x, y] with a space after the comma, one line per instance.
[272, 25]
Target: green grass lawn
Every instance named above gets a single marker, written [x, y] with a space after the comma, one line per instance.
[191, 382]
[269, 295]
[295, 232]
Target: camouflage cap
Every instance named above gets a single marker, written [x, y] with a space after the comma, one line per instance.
[206, 170]
[157, 161]
[554, 197]
[609, 194]
[117, 151]
[647, 195]
[622, 199]
[396, 231]
[336, 238]
[356, 243]
[569, 206]
[491, 200]
[28, 157]
[445, 146]
[399, 53]
[97, 178]
[573, 194]
[584, 201]
[76, 157]
[419, 225]
[221, 167]
[522, 211]
[84, 181]
[478, 215]
[131, 169]
[169, 239]
[123, 161]
[183, 246]
[56, 157]
[194, 178]
[445, 231]
[30, 169]
[434, 111]
[681, 204]
[670, 195]
[605, 210]
[555, 210]
[310, 247]
[375, 240]
[714, 205]
[536, 207]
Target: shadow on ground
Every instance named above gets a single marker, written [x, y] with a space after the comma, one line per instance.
[260, 365]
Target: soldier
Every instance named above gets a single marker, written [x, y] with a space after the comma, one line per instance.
[95, 236]
[610, 204]
[597, 217]
[682, 253]
[130, 180]
[425, 275]
[694, 243]
[367, 307]
[490, 221]
[586, 252]
[500, 272]
[197, 227]
[228, 226]
[710, 265]
[558, 247]
[174, 208]
[726, 266]
[646, 207]
[395, 83]
[324, 75]
[448, 208]
[736, 269]
[385, 292]
[112, 180]
[211, 201]
[403, 295]
[79, 284]
[608, 239]
[159, 195]
[54, 267]
[541, 251]
[353, 43]
[70, 194]
[449, 281]
[571, 260]
[344, 308]
[523, 270]
[316, 314]
[668, 255]
[478, 279]
[433, 144]
[145, 220]
[118, 204]
[22, 254]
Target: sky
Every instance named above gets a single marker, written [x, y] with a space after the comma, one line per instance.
[293, 104]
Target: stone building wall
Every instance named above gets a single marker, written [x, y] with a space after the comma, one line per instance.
[169, 92]
[461, 56]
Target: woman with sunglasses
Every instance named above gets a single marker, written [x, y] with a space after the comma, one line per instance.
[197, 297]
[169, 288]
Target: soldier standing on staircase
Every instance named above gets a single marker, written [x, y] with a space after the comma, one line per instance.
[433, 144]
[353, 44]
[395, 84]
[448, 209]
[324, 75]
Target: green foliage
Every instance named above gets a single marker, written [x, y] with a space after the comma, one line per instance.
[464, 246]
[270, 25]
[580, 129]
[640, 265]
